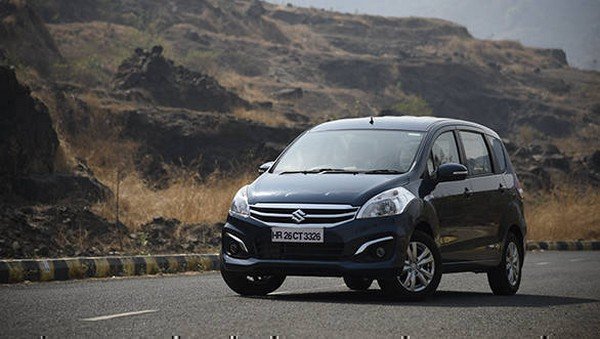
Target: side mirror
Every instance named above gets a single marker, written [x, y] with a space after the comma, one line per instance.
[451, 172]
[265, 167]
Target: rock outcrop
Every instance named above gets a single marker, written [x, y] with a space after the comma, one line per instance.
[174, 86]
[28, 146]
[541, 166]
[28, 141]
[56, 231]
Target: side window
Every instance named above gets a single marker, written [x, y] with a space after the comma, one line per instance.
[476, 152]
[444, 151]
[498, 150]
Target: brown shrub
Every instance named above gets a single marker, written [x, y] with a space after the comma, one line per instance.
[266, 117]
[564, 214]
[186, 199]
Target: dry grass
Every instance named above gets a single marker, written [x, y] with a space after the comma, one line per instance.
[564, 214]
[527, 134]
[186, 200]
[584, 143]
[243, 86]
[268, 118]
[510, 54]
[302, 36]
[94, 50]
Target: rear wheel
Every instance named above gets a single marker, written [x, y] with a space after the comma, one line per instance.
[358, 283]
[254, 284]
[506, 278]
[421, 273]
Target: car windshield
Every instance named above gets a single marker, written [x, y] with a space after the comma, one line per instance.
[358, 151]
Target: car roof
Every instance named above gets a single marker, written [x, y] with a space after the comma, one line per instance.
[408, 123]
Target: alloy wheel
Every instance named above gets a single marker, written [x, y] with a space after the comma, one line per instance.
[513, 266]
[419, 267]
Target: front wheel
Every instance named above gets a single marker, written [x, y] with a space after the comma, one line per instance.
[506, 278]
[254, 284]
[421, 273]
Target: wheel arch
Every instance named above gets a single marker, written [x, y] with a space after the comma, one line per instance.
[513, 220]
[427, 222]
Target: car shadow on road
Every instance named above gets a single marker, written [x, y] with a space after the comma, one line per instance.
[439, 299]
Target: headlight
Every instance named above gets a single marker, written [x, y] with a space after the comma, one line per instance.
[239, 205]
[390, 202]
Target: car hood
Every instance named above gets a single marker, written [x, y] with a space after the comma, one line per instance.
[323, 188]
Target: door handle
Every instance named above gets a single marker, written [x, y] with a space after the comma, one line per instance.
[468, 192]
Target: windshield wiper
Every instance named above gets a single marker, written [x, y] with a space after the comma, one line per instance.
[383, 171]
[322, 170]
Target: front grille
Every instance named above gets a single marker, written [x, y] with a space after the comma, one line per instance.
[302, 214]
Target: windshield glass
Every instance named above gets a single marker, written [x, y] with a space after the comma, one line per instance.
[378, 151]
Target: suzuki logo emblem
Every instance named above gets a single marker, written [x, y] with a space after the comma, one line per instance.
[298, 216]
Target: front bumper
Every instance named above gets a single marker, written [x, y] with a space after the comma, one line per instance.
[335, 257]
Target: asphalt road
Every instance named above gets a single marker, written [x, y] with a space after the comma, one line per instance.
[559, 296]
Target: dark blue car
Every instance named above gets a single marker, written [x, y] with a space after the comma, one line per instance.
[399, 200]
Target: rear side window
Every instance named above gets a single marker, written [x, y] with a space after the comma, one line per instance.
[498, 150]
[444, 151]
[476, 152]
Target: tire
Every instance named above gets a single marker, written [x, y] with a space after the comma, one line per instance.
[506, 278]
[252, 285]
[416, 281]
[358, 283]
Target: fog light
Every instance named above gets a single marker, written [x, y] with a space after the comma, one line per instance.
[234, 248]
[380, 252]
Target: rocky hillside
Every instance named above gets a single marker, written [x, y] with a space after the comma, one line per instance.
[179, 97]
[345, 64]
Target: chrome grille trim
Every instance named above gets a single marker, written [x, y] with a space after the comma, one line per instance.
[349, 214]
[304, 206]
[316, 215]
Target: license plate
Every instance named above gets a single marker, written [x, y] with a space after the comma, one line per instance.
[288, 234]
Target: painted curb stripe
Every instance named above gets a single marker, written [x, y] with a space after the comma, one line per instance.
[163, 263]
[46, 270]
[180, 262]
[139, 266]
[31, 270]
[128, 267]
[78, 268]
[115, 267]
[90, 267]
[151, 266]
[4, 271]
[61, 270]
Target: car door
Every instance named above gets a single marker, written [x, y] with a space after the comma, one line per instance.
[503, 197]
[447, 198]
[480, 231]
